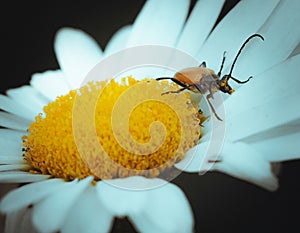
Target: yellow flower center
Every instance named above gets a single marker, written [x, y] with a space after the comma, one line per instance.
[113, 129]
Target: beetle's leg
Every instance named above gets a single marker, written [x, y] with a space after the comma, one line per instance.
[179, 90]
[212, 107]
[210, 95]
[241, 82]
[174, 80]
[184, 86]
[222, 64]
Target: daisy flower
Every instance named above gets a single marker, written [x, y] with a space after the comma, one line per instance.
[67, 192]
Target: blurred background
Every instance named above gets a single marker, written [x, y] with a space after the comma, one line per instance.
[220, 203]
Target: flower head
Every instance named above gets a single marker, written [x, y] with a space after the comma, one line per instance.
[51, 147]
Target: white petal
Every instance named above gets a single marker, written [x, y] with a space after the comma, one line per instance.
[56, 207]
[282, 35]
[136, 183]
[239, 160]
[244, 162]
[21, 177]
[118, 40]
[121, 202]
[9, 105]
[278, 149]
[19, 222]
[10, 147]
[14, 122]
[159, 23]
[213, 134]
[233, 30]
[11, 160]
[27, 96]
[264, 103]
[162, 209]
[77, 53]
[258, 90]
[264, 117]
[11, 134]
[51, 83]
[14, 167]
[29, 194]
[165, 207]
[88, 215]
[208, 149]
[194, 159]
[199, 25]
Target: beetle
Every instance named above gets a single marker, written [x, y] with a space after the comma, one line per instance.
[202, 79]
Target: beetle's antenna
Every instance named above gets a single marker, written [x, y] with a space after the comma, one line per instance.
[239, 52]
[222, 64]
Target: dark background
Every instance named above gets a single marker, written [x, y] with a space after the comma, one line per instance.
[220, 203]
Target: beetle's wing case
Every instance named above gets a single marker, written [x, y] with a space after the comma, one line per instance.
[193, 75]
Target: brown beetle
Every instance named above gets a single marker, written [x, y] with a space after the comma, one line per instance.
[202, 80]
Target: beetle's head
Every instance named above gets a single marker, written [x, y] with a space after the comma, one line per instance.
[224, 86]
[223, 83]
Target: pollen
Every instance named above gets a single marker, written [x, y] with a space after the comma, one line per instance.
[111, 129]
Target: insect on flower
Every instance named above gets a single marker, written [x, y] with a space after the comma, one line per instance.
[202, 80]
